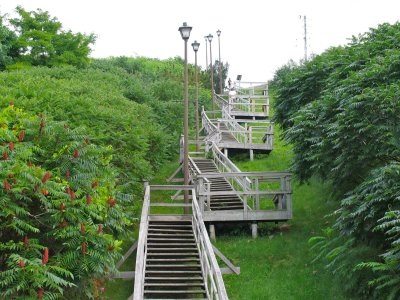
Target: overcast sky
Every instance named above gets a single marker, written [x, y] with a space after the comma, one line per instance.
[258, 36]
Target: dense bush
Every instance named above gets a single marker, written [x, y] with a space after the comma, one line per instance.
[341, 112]
[60, 209]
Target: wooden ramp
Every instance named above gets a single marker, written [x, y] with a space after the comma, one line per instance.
[175, 258]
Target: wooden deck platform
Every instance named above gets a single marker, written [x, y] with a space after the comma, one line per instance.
[228, 133]
[226, 194]
[247, 100]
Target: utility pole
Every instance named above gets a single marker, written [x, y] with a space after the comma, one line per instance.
[305, 38]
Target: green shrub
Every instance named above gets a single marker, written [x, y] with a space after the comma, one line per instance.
[61, 209]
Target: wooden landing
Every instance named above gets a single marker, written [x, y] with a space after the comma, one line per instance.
[218, 202]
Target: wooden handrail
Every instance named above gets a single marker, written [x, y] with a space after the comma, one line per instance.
[141, 248]
[211, 272]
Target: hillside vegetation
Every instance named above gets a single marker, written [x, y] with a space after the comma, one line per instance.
[340, 111]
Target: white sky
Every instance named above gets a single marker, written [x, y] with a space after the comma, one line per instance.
[258, 36]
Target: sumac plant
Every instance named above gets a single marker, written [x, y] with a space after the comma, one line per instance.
[53, 241]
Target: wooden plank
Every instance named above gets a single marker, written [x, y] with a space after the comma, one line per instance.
[230, 265]
[127, 254]
[171, 187]
[252, 215]
[154, 217]
[174, 174]
[124, 275]
[171, 204]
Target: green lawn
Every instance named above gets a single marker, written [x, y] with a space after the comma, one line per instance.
[277, 265]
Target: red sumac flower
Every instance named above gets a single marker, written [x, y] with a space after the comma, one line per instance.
[76, 153]
[26, 241]
[46, 177]
[6, 185]
[67, 175]
[72, 195]
[82, 228]
[45, 258]
[94, 184]
[5, 155]
[100, 228]
[11, 146]
[83, 248]
[89, 199]
[21, 264]
[62, 206]
[21, 136]
[40, 293]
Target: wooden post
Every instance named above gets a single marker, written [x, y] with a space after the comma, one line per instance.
[208, 196]
[254, 231]
[212, 232]
[257, 196]
[251, 154]
[226, 152]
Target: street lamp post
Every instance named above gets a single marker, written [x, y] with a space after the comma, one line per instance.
[209, 37]
[196, 46]
[185, 33]
[220, 64]
[205, 38]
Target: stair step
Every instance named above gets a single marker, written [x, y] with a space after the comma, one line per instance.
[169, 226]
[169, 240]
[170, 244]
[169, 266]
[175, 272]
[175, 284]
[195, 278]
[172, 260]
[193, 249]
[167, 235]
[174, 291]
[170, 230]
[194, 253]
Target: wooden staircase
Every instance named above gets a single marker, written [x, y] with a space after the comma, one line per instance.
[173, 269]
[218, 202]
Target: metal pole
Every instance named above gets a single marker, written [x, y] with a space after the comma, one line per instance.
[186, 133]
[305, 38]
[212, 80]
[220, 66]
[197, 103]
[206, 54]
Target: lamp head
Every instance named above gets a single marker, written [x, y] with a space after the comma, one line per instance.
[185, 31]
[195, 46]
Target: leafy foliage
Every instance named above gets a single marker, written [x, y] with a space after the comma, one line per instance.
[61, 210]
[340, 111]
[38, 39]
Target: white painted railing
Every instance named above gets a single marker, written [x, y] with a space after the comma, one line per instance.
[211, 272]
[142, 247]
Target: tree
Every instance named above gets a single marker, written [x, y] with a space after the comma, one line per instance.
[216, 67]
[41, 41]
[7, 47]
